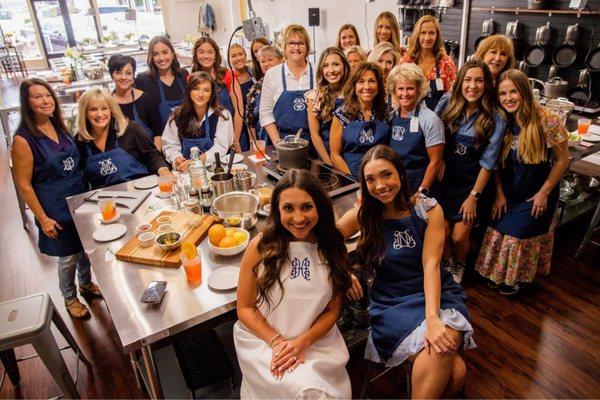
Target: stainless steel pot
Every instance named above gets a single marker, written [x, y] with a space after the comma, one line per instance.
[555, 87]
[292, 152]
[236, 209]
[222, 183]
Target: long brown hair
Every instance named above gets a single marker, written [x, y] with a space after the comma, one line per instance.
[351, 104]
[185, 116]
[531, 142]
[152, 70]
[28, 121]
[370, 248]
[414, 49]
[453, 114]
[256, 70]
[395, 40]
[338, 44]
[273, 246]
[326, 94]
[219, 69]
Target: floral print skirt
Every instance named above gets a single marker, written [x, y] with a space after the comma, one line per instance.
[508, 260]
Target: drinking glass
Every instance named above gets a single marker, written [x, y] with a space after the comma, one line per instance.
[193, 268]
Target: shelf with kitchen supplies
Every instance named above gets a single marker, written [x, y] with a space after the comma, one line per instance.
[517, 11]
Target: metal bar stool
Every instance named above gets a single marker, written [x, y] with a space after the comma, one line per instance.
[28, 320]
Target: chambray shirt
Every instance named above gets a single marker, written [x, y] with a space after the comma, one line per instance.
[429, 122]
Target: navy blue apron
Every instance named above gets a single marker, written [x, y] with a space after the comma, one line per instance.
[58, 178]
[520, 182]
[326, 126]
[411, 148]
[434, 94]
[165, 107]
[398, 298]
[224, 99]
[461, 156]
[204, 142]
[244, 138]
[137, 120]
[111, 167]
[261, 133]
[290, 109]
[360, 136]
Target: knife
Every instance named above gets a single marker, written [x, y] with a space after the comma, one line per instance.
[120, 196]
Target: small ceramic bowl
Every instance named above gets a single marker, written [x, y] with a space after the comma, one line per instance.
[146, 239]
[165, 228]
[143, 228]
[165, 219]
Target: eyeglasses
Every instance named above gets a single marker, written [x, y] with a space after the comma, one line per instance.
[296, 44]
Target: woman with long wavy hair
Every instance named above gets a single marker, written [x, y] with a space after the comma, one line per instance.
[361, 122]
[292, 282]
[387, 30]
[200, 122]
[518, 244]
[416, 308]
[332, 73]
[426, 49]
[474, 132]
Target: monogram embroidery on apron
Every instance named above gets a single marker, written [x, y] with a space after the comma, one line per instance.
[300, 268]
[366, 135]
[107, 167]
[514, 144]
[461, 149]
[403, 239]
[68, 164]
[398, 132]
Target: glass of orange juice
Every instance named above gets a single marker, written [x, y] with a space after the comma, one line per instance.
[108, 209]
[165, 183]
[582, 125]
[193, 268]
[259, 147]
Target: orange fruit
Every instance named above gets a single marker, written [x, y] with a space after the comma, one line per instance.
[239, 237]
[227, 242]
[190, 250]
[229, 232]
[216, 233]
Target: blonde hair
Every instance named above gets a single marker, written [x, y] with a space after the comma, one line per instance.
[531, 142]
[414, 48]
[408, 72]
[356, 49]
[395, 41]
[380, 50]
[299, 30]
[117, 118]
[501, 43]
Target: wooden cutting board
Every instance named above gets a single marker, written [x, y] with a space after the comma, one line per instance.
[154, 255]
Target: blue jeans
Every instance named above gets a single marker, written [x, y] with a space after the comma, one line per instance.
[66, 273]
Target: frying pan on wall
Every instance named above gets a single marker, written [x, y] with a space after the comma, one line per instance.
[580, 94]
[487, 29]
[566, 54]
[592, 60]
[537, 53]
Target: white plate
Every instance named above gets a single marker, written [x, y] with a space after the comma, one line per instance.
[147, 182]
[265, 212]
[163, 195]
[106, 233]
[237, 158]
[590, 137]
[225, 278]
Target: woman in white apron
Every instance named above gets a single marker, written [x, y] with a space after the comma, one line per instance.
[292, 280]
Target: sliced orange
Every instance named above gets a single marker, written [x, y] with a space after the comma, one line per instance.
[189, 249]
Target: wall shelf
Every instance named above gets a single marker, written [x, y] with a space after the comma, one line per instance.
[518, 11]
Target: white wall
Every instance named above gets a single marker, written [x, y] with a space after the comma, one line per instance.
[181, 17]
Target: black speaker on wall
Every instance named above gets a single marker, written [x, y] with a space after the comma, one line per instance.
[314, 17]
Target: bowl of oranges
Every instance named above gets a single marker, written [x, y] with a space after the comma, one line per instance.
[227, 241]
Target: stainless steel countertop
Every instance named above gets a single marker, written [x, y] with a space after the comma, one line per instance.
[122, 283]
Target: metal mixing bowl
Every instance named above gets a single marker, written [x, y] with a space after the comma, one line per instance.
[237, 209]
[168, 240]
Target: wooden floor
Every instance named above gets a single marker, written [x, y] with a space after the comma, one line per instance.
[543, 344]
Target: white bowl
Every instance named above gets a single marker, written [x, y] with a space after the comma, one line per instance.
[146, 239]
[143, 228]
[231, 251]
[164, 228]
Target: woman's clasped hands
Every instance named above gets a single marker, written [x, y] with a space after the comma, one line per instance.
[287, 356]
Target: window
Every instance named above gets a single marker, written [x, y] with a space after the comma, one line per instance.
[17, 27]
[126, 20]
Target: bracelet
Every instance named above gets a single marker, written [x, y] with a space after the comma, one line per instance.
[273, 339]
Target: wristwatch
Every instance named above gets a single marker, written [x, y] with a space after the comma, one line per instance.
[424, 190]
[475, 194]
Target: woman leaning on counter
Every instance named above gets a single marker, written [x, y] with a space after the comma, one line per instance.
[113, 149]
[47, 169]
[518, 245]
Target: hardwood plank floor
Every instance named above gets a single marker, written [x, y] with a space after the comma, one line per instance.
[544, 343]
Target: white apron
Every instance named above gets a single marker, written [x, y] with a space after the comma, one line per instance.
[307, 291]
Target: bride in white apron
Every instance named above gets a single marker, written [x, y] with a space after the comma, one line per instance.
[292, 280]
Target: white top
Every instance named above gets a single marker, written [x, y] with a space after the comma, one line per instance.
[307, 291]
[272, 88]
[223, 138]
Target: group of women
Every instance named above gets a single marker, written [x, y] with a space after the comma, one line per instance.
[430, 146]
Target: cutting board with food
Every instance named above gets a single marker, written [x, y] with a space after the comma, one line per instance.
[192, 228]
[126, 201]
